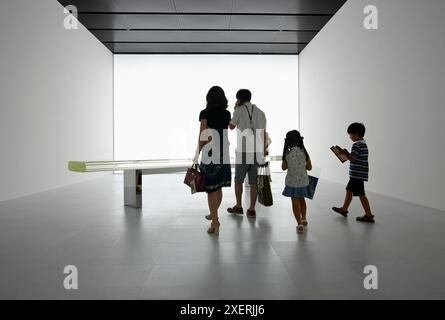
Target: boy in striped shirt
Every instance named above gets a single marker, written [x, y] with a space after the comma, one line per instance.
[358, 173]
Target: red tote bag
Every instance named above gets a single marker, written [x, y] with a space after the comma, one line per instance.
[195, 179]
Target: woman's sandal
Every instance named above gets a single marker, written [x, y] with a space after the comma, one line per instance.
[208, 217]
[366, 218]
[304, 222]
[214, 229]
[300, 229]
[341, 211]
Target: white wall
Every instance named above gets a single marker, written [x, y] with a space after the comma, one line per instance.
[56, 98]
[392, 79]
[158, 99]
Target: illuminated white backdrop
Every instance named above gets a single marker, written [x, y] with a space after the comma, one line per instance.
[158, 99]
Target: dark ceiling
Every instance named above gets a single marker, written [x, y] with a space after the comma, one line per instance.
[205, 26]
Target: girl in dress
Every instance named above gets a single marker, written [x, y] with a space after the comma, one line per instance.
[297, 162]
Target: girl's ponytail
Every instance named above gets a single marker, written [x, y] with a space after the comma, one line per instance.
[293, 139]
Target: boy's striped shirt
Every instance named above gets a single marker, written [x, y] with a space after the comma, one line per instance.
[359, 167]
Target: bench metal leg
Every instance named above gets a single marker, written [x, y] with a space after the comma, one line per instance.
[133, 188]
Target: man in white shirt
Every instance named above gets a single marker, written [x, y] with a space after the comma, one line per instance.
[250, 122]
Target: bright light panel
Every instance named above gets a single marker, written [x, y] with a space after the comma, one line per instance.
[158, 99]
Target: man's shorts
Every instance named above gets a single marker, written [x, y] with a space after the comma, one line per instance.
[242, 169]
[357, 187]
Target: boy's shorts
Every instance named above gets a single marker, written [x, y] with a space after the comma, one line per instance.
[357, 187]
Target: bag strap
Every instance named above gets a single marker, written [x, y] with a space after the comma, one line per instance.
[250, 114]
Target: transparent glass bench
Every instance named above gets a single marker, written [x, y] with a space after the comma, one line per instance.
[133, 171]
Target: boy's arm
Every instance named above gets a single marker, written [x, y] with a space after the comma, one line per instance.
[346, 153]
[353, 155]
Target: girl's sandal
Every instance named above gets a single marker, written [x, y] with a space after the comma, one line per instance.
[300, 229]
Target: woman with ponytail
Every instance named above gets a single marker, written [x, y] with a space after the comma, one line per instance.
[297, 162]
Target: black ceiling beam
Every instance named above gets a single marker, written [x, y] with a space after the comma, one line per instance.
[118, 25]
[204, 42]
[199, 30]
[210, 14]
[211, 53]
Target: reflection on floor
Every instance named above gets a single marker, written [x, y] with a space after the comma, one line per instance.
[164, 252]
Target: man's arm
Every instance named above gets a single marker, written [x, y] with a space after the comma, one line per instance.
[266, 143]
[266, 138]
[235, 120]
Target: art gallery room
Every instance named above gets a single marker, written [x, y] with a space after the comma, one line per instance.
[105, 191]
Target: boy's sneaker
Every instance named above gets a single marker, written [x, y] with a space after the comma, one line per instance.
[341, 211]
[366, 218]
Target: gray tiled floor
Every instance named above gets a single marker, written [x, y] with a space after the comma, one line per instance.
[164, 252]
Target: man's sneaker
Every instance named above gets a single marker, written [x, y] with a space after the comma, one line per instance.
[251, 213]
[235, 210]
